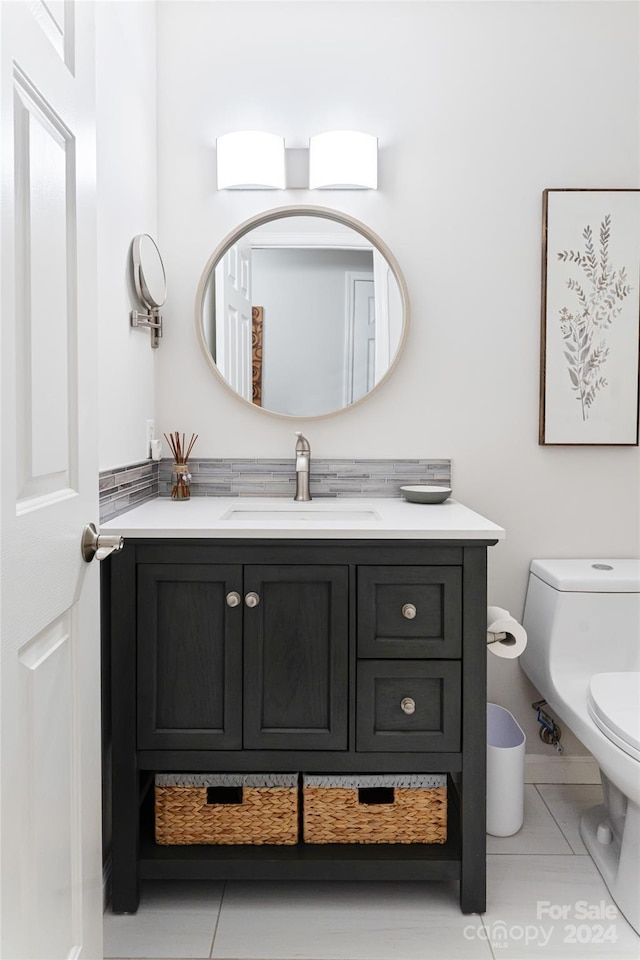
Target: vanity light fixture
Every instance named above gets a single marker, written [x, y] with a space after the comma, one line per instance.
[249, 160]
[343, 160]
[337, 160]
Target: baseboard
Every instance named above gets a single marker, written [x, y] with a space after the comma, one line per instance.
[106, 883]
[541, 769]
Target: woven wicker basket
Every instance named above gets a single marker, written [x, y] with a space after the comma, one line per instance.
[375, 809]
[226, 809]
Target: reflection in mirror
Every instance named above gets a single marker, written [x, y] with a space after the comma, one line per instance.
[302, 315]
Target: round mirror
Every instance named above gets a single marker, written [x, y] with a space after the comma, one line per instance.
[148, 272]
[302, 311]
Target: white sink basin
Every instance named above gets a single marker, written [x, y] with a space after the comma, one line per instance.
[298, 514]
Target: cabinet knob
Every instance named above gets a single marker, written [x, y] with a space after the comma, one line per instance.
[408, 705]
[409, 611]
[252, 599]
[233, 599]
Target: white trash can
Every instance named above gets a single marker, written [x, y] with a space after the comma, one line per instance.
[505, 772]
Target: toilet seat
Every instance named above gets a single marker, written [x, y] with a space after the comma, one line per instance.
[614, 706]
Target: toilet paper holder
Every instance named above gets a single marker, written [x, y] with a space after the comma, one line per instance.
[506, 637]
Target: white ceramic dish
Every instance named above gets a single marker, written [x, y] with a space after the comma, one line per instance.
[424, 493]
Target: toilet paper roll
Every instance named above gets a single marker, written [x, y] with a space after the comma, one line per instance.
[505, 636]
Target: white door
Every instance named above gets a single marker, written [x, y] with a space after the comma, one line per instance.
[233, 319]
[50, 686]
[361, 336]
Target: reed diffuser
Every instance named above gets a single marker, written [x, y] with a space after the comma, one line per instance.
[181, 450]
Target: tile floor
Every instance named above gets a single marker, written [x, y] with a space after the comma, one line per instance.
[530, 877]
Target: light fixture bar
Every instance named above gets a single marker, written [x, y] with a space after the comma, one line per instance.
[337, 160]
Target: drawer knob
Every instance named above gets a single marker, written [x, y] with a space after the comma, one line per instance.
[408, 705]
[409, 611]
[233, 599]
[252, 599]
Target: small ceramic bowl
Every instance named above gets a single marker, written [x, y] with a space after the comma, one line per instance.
[423, 493]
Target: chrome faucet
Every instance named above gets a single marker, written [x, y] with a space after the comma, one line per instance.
[303, 464]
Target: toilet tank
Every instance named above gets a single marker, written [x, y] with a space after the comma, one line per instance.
[581, 617]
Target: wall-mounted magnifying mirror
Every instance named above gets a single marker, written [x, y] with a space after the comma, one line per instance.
[150, 284]
[302, 311]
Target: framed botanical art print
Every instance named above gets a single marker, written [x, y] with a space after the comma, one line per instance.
[589, 364]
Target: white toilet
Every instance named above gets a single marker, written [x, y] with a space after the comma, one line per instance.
[582, 619]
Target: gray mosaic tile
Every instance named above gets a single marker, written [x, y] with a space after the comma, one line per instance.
[354, 471]
[346, 486]
[381, 488]
[124, 487]
[245, 467]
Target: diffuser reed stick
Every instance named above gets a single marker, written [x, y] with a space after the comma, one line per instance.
[181, 450]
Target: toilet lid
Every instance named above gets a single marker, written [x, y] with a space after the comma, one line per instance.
[614, 706]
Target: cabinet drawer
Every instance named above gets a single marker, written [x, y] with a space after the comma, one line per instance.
[413, 706]
[409, 612]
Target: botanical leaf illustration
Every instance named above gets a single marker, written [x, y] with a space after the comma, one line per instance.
[599, 303]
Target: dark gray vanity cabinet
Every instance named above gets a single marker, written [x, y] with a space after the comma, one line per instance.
[297, 656]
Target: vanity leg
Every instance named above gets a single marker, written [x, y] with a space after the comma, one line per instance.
[473, 865]
[125, 841]
[125, 884]
[473, 818]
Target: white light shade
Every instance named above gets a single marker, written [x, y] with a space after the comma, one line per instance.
[343, 159]
[248, 160]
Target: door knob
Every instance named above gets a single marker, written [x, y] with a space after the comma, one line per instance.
[252, 599]
[233, 598]
[99, 545]
[408, 705]
[409, 611]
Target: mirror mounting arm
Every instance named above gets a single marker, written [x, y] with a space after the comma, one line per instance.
[153, 320]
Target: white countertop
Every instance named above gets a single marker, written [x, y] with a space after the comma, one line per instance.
[322, 519]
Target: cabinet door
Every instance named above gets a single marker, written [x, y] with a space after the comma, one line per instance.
[189, 657]
[296, 658]
[409, 612]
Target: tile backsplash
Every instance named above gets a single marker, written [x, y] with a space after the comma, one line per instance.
[123, 488]
[329, 478]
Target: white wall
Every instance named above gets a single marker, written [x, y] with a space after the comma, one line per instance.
[127, 205]
[478, 107]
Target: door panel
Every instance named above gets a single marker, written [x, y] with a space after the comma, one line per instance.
[46, 285]
[296, 658]
[56, 20]
[46, 699]
[189, 657]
